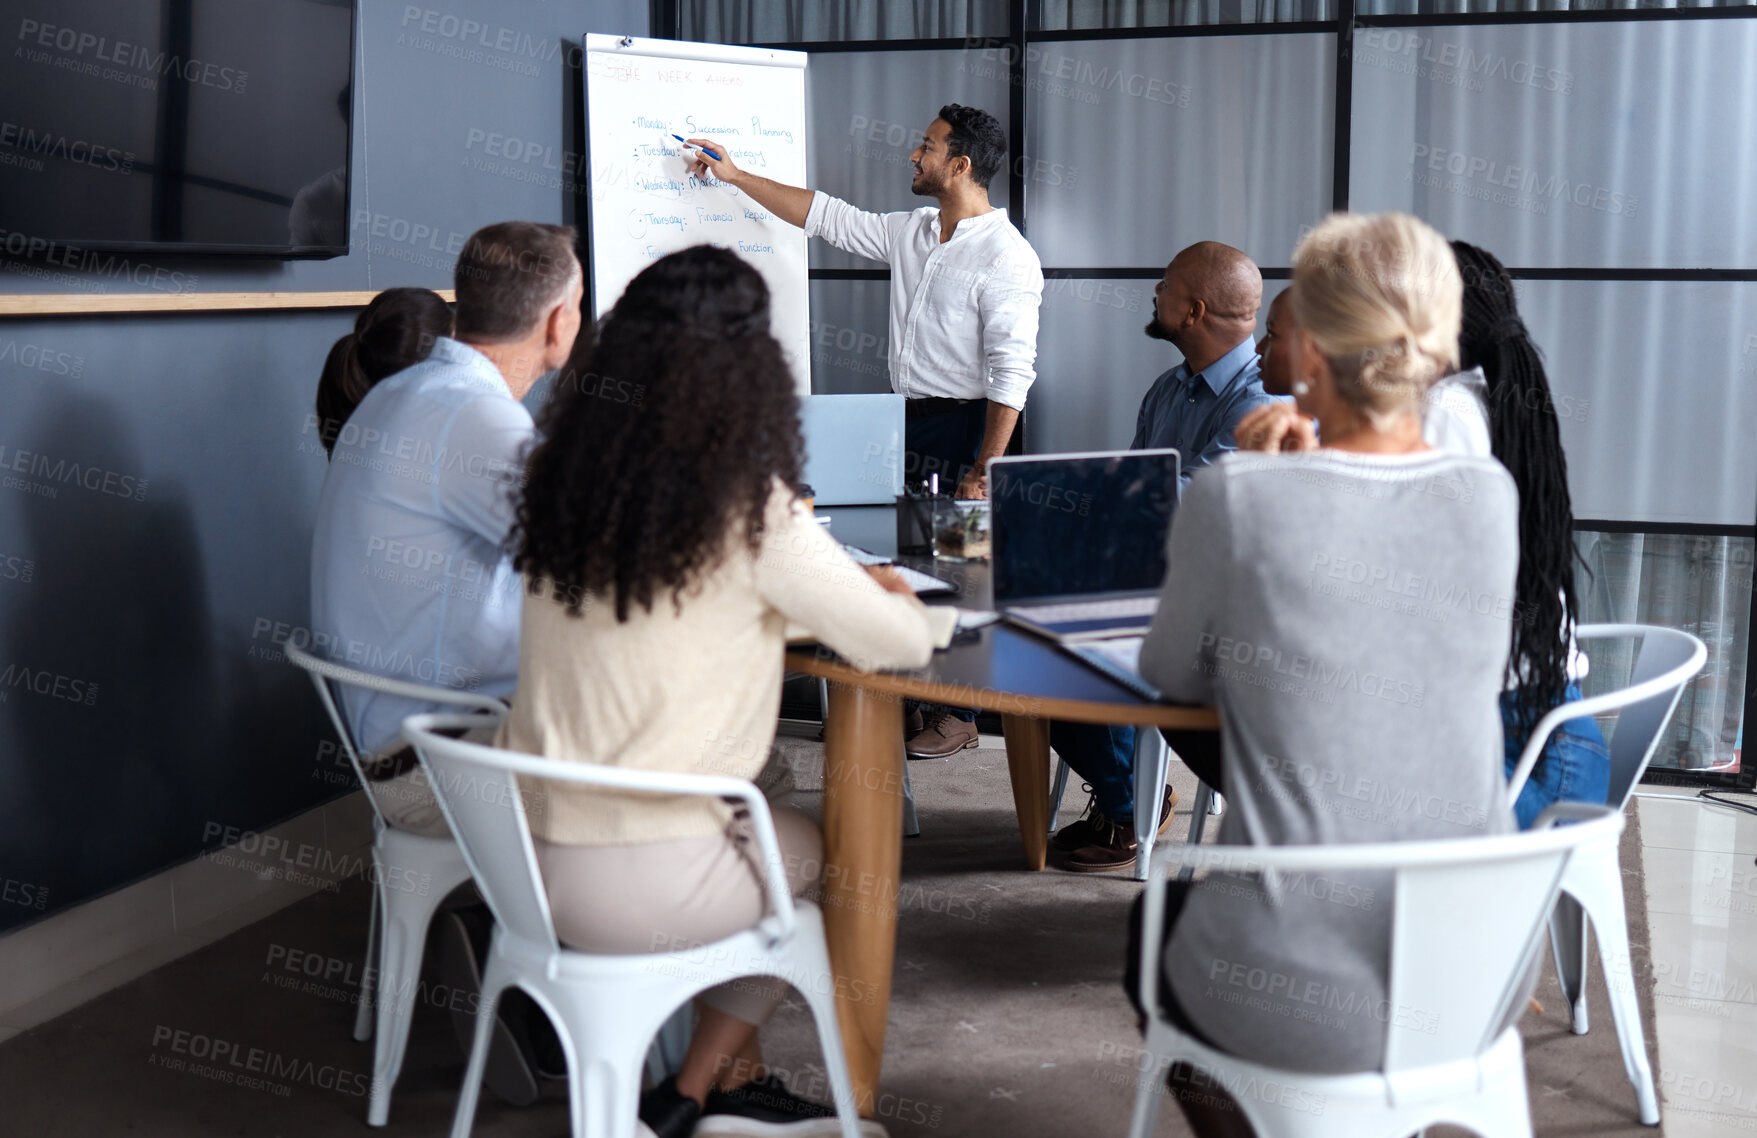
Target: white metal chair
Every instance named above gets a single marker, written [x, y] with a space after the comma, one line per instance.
[401, 910]
[607, 1008]
[1467, 920]
[1593, 888]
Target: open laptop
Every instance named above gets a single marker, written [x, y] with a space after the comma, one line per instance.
[1079, 540]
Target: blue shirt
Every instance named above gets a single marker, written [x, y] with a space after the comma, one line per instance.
[1197, 413]
[409, 574]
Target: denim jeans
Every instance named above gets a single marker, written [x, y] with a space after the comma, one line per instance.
[1574, 767]
[1103, 756]
[967, 714]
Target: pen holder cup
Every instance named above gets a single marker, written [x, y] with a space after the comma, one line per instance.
[915, 523]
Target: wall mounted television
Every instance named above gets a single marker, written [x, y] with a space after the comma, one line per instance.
[175, 126]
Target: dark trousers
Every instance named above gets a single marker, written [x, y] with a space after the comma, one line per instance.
[942, 436]
[1105, 758]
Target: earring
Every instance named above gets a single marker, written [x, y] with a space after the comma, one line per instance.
[1301, 387]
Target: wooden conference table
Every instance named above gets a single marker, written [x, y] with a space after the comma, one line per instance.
[998, 668]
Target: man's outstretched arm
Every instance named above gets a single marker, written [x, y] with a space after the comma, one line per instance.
[854, 230]
[789, 203]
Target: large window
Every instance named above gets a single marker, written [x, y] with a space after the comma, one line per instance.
[1603, 149]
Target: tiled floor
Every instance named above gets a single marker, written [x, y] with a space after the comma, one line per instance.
[1701, 866]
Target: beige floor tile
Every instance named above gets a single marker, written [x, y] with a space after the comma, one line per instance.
[1702, 958]
[1696, 824]
[1708, 1070]
[1712, 884]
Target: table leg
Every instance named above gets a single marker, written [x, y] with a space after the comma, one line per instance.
[1028, 763]
[863, 849]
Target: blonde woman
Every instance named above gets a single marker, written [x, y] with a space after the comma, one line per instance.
[1347, 608]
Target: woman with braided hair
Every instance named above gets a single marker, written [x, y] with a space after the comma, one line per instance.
[1545, 665]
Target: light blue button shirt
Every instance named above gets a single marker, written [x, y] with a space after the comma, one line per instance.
[409, 574]
[1196, 414]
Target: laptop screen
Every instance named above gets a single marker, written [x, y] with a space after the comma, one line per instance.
[1080, 523]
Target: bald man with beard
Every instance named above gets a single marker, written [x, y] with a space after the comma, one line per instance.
[1206, 307]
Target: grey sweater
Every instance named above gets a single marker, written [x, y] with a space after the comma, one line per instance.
[1349, 615]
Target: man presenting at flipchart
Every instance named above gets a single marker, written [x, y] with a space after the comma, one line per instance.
[965, 290]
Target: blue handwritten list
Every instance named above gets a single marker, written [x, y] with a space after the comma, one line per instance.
[748, 104]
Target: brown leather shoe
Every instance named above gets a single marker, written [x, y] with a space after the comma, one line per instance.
[1115, 849]
[1083, 831]
[943, 734]
[1165, 811]
[1089, 829]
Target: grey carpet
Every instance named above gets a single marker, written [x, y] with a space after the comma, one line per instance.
[1006, 1017]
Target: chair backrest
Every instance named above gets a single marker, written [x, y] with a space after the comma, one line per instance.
[1665, 660]
[1667, 657]
[323, 673]
[853, 448]
[1469, 914]
[478, 789]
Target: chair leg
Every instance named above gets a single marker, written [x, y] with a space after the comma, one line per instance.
[1598, 887]
[368, 981]
[911, 823]
[1568, 947]
[1148, 1087]
[1056, 792]
[402, 943]
[1198, 823]
[829, 1033]
[604, 1067]
[479, 1045]
[1152, 758]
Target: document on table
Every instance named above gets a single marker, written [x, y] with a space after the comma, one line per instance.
[921, 582]
[1118, 658]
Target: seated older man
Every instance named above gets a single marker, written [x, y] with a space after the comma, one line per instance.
[1206, 307]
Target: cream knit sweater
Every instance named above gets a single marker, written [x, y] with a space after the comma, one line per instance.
[695, 691]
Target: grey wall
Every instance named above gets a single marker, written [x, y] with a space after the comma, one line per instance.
[142, 701]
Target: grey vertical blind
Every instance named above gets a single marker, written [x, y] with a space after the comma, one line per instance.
[1059, 15]
[1700, 584]
[866, 111]
[1465, 7]
[795, 21]
[1600, 145]
[1136, 148]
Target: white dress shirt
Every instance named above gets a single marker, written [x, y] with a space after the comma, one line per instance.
[1457, 414]
[409, 577]
[963, 313]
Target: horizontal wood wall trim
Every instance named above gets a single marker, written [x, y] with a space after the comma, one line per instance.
[114, 303]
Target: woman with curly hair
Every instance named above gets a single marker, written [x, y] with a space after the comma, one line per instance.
[665, 555]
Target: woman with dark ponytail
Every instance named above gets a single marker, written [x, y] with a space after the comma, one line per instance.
[396, 330]
[1545, 666]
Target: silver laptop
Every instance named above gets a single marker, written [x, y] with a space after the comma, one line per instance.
[1079, 540]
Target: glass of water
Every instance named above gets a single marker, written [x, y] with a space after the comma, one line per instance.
[960, 530]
